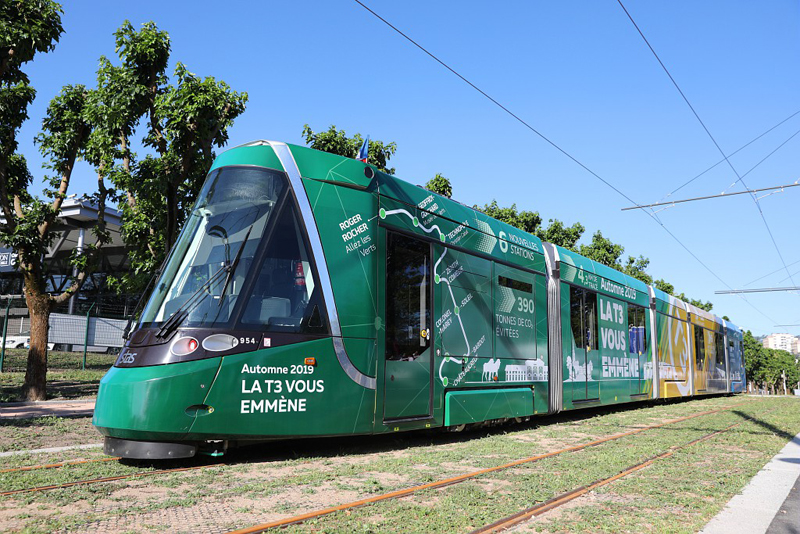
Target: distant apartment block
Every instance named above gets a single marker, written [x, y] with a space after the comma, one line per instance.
[785, 342]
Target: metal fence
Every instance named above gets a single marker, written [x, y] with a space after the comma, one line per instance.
[94, 326]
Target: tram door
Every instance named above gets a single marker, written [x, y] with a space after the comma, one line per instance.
[408, 358]
[581, 364]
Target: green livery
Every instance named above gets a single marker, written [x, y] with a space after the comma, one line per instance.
[313, 295]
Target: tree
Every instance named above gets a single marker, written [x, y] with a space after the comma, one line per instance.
[637, 268]
[527, 221]
[26, 28]
[664, 286]
[766, 367]
[603, 250]
[560, 234]
[186, 121]
[707, 306]
[440, 185]
[336, 142]
[530, 221]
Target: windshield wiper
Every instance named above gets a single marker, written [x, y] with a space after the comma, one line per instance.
[183, 311]
[233, 264]
[200, 295]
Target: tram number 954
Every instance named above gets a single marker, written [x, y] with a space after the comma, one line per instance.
[524, 305]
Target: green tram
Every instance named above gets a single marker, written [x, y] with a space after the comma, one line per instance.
[312, 295]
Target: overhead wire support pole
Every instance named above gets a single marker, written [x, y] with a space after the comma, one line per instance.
[759, 290]
[721, 195]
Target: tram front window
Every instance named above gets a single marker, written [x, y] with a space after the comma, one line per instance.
[243, 239]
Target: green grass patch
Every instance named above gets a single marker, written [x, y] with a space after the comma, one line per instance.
[66, 378]
[45, 432]
[295, 477]
[17, 360]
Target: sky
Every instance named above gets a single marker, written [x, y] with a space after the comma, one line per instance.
[576, 71]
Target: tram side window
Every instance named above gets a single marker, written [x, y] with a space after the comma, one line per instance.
[699, 346]
[637, 333]
[719, 343]
[575, 315]
[515, 284]
[408, 297]
[590, 319]
[583, 317]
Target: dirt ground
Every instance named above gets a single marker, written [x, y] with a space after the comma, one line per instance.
[275, 481]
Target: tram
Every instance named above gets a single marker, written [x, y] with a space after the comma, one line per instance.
[312, 295]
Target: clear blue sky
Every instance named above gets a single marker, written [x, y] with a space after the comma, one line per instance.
[575, 70]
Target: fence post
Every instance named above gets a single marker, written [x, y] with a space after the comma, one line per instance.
[86, 336]
[5, 332]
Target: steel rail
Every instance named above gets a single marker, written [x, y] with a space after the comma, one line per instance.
[461, 478]
[541, 508]
[105, 479]
[59, 464]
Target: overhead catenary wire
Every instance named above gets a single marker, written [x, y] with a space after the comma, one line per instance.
[736, 152]
[763, 160]
[773, 272]
[557, 147]
[713, 140]
[671, 204]
[785, 279]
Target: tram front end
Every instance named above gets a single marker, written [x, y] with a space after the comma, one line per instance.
[236, 342]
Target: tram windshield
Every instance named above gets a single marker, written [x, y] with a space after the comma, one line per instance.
[241, 261]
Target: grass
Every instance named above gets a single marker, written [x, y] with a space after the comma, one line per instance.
[286, 478]
[44, 432]
[16, 360]
[65, 377]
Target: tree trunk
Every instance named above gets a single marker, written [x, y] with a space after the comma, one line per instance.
[35, 386]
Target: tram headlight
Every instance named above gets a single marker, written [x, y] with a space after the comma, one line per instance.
[183, 346]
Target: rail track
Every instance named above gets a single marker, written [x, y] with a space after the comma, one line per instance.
[468, 476]
[559, 500]
[59, 464]
[363, 502]
[106, 479]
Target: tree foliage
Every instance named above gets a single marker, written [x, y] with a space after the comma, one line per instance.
[28, 27]
[336, 142]
[530, 221]
[440, 185]
[185, 121]
[766, 367]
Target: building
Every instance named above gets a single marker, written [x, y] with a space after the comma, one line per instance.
[786, 342]
[95, 317]
[73, 229]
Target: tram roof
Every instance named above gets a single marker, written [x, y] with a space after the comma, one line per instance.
[323, 166]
